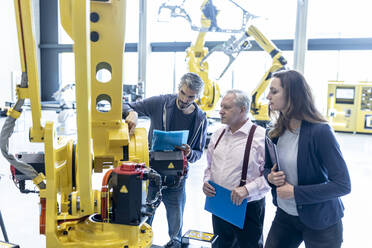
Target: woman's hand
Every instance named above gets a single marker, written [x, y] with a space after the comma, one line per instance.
[285, 191]
[276, 177]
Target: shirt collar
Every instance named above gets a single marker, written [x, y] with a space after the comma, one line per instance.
[243, 129]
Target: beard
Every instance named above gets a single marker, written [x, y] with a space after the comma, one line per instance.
[183, 105]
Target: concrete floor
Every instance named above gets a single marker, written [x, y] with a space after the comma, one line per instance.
[21, 211]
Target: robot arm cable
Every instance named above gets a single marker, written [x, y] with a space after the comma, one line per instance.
[7, 131]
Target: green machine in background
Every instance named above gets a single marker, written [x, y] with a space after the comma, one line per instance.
[349, 106]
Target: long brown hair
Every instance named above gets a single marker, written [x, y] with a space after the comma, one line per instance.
[299, 102]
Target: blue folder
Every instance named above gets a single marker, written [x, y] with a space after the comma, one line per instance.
[167, 140]
[222, 206]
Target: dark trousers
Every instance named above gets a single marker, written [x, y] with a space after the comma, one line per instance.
[230, 236]
[289, 232]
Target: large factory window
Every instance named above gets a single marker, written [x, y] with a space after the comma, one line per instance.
[67, 68]
[160, 74]
[339, 19]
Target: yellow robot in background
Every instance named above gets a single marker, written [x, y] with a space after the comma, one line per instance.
[196, 53]
[234, 46]
[259, 110]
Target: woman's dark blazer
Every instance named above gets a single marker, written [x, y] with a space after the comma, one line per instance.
[322, 176]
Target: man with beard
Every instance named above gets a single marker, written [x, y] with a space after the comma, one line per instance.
[173, 112]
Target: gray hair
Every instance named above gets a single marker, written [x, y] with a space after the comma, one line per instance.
[193, 82]
[241, 100]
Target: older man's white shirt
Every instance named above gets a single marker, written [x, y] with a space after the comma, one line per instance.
[225, 163]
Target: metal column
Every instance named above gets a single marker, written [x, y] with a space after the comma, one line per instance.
[143, 45]
[49, 58]
[300, 42]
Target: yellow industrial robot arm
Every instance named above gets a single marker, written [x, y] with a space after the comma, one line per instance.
[194, 55]
[197, 53]
[234, 46]
[28, 88]
[259, 111]
[71, 209]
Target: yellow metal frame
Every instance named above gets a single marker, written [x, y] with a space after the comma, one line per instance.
[101, 136]
[259, 110]
[27, 48]
[211, 94]
[194, 55]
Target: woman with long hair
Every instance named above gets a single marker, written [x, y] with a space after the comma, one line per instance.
[312, 174]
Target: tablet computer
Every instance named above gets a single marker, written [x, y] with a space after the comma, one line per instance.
[273, 152]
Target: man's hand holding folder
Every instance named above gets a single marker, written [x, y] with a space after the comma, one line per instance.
[237, 195]
[220, 202]
[209, 190]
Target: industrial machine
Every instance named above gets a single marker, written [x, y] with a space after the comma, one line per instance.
[233, 47]
[197, 55]
[349, 107]
[73, 214]
[197, 51]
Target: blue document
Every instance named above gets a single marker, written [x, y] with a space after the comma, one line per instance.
[222, 206]
[166, 140]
